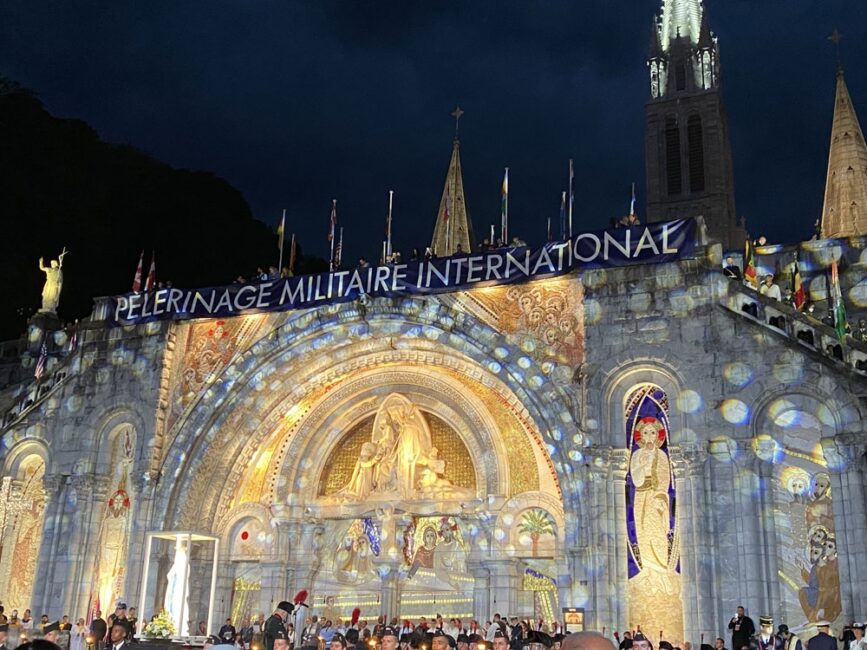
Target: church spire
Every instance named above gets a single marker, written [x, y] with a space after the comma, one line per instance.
[844, 213]
[680, 19]
[453, 227]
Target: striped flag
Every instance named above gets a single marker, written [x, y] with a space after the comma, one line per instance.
[152, 273]
[750, 265]
[798, 295]
[838, 306]
[332, 227]
[338, 252]
[136, 281]
[40, 363]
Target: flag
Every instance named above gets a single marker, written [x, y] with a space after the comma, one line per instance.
[40, 363]
[838, 306]
[750, 265]
[281, 229]
[550, 235]
[292, 255]
[332, 228]
[152, 273]
[563, 217]
[136, 282]
[798, 294]
[446, 213]
[632, 202]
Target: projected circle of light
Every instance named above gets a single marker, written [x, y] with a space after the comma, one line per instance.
[689, 401]
[767, 449]
[735, 411]
[738, 374]
[723, 449]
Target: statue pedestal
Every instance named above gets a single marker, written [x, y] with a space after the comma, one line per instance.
[39, 326]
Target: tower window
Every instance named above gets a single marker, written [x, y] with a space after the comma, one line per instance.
[672, 157]
[696, 154]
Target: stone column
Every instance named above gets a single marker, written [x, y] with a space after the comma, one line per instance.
[504, 583]
[845, 454]
[696, 544]
[615, 517]
[144, 488]
[481, 591]
[45, 591]
[78, 578]
[593, 561]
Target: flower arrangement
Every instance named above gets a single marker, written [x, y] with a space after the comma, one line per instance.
[161, 627]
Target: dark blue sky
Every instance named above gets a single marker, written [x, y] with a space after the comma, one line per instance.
[296, 103]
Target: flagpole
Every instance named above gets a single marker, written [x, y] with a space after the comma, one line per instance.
[291, 256]
[282, 230]
[331, 230]
[563, 216]
[632, 202]
[504, 217]
[493, 235]
[571, 194]
[388, 223]
[549, 228]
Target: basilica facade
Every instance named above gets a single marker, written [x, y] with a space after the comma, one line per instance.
[651, 445]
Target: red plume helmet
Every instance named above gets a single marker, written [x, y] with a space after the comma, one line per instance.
[300, 597]
[356, 614]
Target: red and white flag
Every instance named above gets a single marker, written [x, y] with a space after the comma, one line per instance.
[40, 363]
[136, 282]
[152, 273]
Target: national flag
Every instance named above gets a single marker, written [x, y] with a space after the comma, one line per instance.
[292, 254]
[550, 235]
[281, 229]
[563, 217]
[41, 361]
[152, 273]
[798, 295]
[332, 228]
[750, 265]
[838, 306]
[632, 202]
[446, 212]
[136, 282]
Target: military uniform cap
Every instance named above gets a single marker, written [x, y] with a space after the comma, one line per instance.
[286, 606]
[499, 634]
[823, 623]
[388, 630]
[51, 627]
[859, 626]
[281, 634]
[766, 620]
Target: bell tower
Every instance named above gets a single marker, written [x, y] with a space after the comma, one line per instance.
[687, 149]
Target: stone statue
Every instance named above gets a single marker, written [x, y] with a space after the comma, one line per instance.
[53, 283]
[177, 600]
[651, 474]
[400, 461]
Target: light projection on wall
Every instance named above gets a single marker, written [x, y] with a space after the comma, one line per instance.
[653, 548]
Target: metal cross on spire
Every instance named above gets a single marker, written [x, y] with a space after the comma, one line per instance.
[835, 38]
[457, 115]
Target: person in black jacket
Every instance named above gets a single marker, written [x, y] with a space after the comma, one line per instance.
[98, 630]
[742, 628]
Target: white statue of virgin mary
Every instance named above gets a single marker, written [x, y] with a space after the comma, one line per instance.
[177, 600]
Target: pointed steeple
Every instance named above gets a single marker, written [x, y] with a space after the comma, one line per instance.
[453, 224]
[844, 213]
[681, 19]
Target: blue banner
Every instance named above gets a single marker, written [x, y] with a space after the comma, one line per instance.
[655, 243]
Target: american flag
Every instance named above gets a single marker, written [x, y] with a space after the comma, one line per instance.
[40, 363]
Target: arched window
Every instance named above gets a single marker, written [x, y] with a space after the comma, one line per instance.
[696, 154]
[672, 157]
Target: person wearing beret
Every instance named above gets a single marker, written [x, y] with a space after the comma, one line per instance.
[50, 631]
[641, 642]
[276, 623]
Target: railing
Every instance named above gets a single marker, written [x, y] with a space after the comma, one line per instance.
[798, 327]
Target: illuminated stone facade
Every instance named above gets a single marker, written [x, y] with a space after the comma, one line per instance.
[262, 430]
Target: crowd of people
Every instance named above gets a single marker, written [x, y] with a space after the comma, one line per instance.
[329, 631]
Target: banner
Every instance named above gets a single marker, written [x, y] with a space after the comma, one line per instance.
[655, 243]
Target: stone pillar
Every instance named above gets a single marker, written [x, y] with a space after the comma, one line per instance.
[144, 489]
[696, 545]
[746, 561]
[79, 578]
[619, 539]
[846, 463]
[45, 591]
[593, 562]
[504, 583]
[481, 591]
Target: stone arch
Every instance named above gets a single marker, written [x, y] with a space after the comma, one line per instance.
[509, 518]
[423, 323]
[108, 425]
[23, 450]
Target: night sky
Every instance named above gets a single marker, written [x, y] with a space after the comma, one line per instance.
[296, 103]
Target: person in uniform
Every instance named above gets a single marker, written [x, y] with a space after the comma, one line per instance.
[823, 640]
[766, 639]
[99, 630]
[790, 641]
[500, 640]
[858, 643]
[4, 631]
[276, 623]
[389, 637]
[281, 640]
